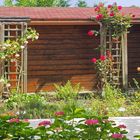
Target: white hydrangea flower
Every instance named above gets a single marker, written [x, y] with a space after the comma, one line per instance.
[3, 47]
[8, 85]
[3, 57]
[36, 37]
[22, 47]
[1, 80]
[26, 42]
[121, 109]
[17, 55]
[29, 37]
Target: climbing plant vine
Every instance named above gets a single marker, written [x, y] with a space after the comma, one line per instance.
[114, 26]
[10, 52]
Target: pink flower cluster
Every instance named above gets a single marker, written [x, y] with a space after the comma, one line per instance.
[102, 58]
[117, 136]
[44, 123]
[100, 16]
[14, 120]
[60, 113]
[91, 122]
[122, 126]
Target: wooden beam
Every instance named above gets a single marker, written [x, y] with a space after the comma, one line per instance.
[63, 22]
[124, 61]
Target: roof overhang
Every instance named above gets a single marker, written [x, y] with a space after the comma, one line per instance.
[72, 22]
[63, 22]
[15, 19]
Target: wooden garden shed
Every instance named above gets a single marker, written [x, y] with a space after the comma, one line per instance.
[64, 50]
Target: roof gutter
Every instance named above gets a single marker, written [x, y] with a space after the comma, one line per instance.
[63, 22]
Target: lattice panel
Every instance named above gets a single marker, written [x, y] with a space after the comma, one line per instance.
[113, 45]
[15, 70]
[118, 47]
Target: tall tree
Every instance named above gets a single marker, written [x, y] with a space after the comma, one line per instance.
[8, 3]
[39, 3]
[81, 3]
[63, 3]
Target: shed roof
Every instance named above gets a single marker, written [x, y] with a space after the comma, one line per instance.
[58, 14]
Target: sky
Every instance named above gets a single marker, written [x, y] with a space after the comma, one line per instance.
[119, 2]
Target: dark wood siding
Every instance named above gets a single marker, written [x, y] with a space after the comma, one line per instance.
[134, 53]
[62, 53]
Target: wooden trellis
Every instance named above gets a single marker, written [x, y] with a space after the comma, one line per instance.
[14, 70]
[118, 49]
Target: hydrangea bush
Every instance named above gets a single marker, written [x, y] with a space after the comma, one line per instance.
[63, 126]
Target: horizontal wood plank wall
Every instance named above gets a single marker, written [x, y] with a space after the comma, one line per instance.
[62, 53]
[134, 54]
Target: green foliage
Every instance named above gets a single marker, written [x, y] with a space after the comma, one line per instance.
[63, 127]
[10, 48]
[112, 19]
[8, 2]
[27, 106]
[81, 3]
[68, 91]
[15, 130]
[38, 3]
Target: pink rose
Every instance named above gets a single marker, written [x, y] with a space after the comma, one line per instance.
[109, 6]
[100, 4]
[14, 120]
[117, 136]
[122, 126]
[44, 123]
[91, 122]
[112, 14]
[97, 9]
[99, 17]
[102, 57]
[90, 33]
[119, 7]
[60, 113]
[94, 60]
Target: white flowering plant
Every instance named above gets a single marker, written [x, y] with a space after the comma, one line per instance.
[11, 48]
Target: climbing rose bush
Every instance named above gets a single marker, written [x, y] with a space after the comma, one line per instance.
[10, 49]
[112, 18]
[103, 67]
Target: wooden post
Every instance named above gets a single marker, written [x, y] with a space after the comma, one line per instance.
[124, 61]
[1, 41]
[103, 34]
[24, 63]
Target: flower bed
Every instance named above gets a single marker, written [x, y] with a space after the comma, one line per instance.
[63, 127]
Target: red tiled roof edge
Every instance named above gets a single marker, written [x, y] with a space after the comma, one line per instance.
[58, 14]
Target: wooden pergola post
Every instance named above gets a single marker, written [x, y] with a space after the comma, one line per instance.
[124, 61]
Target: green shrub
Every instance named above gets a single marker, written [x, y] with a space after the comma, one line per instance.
[27, 105]
[68, 91]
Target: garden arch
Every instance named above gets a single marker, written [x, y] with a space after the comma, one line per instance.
[15, 71]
